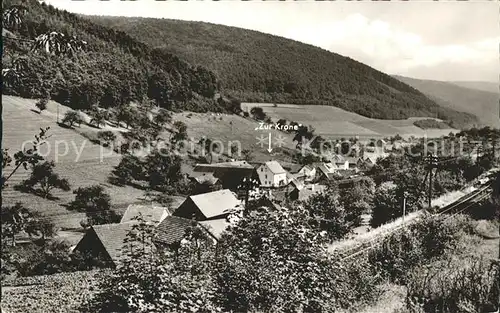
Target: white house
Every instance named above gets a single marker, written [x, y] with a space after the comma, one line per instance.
[308, 172]
[271, 174]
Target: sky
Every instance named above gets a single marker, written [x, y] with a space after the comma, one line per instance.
[445, 40]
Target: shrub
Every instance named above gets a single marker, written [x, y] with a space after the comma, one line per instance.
[72, 117]
[157, 281]
[42, 104]
[417, 244]
[95, 203]
[106, 137]
[454, 286]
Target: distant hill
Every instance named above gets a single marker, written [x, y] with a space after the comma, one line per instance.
[483, 104]
[113, 69]
[479, 85]
[258, 67]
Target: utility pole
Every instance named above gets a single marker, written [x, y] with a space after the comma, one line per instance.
[404, 206]
[432, 163]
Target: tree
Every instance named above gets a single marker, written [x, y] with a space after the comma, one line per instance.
[15, 219]
[72, 117]
[95, 203]
[127, 115]
[42, 104]
[57, 43]
[97, 117]
[163, 169]
[302, 133]
[358, 200]
[258, 113]
[247, 155]
[181, 132]
[385, 205]
[41, 226]
[6, 158]
[327, 214]
[43, 175]
[129, 169]
[282, 121]
[12, 16]
[26, 157]
[272, 261]
[106, 137]
[206, 144]
[163, 117]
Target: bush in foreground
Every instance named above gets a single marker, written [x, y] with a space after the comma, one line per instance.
[418, 244]
[454, 286]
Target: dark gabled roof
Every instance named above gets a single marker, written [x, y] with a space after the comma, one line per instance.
[112, 237]
[172, 229]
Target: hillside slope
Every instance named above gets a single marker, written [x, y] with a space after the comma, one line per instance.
[483, 104]
[479, 85]
[78, 160]
[258, 67]
[112, 69]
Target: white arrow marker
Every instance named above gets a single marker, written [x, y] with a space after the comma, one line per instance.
[269, 149]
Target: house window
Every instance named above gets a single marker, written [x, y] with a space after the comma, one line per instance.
[266, 176]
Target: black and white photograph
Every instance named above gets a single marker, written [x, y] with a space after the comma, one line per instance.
[250, 156]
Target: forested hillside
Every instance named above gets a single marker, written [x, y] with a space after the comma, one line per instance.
[256, 67]
[482, 104]
[112, 69]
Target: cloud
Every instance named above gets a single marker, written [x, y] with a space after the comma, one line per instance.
[393, 50]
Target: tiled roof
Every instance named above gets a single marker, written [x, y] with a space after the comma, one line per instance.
[172, 229]
[112, 237]
[149, 213]
[216, 203]
[275, 167]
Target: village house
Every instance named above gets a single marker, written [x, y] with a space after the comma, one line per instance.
[326, 171]
[172, 230]
[306, 191]
[371, 158]
[229, 174]
[271, 174]
[102, 245]
[209, 206]
[355, 163]
[340, 162]
[308, 173]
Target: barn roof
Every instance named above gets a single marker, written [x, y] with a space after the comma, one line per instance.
[172, 229]
[149, 213]
[112, 237]
[216, 203]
